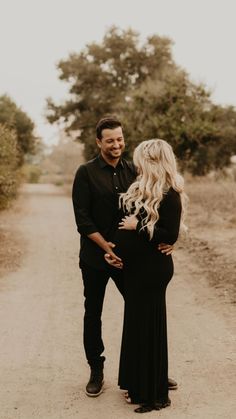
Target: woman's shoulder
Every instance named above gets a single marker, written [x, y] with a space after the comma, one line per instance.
[172, 192]
[171, 196]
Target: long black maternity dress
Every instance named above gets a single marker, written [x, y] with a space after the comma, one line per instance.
[143, 369]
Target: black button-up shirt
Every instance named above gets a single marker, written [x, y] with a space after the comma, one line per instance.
[95, 197]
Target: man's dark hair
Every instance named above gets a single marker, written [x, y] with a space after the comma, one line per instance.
[107, 122]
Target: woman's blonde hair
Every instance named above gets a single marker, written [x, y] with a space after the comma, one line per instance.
[157, 172]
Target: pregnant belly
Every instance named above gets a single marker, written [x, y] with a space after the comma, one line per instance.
[131, 245]
[144, 266]
[126, 242]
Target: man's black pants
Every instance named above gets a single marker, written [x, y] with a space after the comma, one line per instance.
[95, 282]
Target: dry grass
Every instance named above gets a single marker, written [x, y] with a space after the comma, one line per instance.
[12, 242]
[10, 251]
[214, 200]
[211, 238]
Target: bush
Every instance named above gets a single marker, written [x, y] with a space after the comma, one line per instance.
[31, 173]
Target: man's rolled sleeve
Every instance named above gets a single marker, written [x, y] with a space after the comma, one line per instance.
[82, 202]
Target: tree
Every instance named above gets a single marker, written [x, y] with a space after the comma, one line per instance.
[173, 108]
[15, 119]
[152, 96]
[100, 77]
[224, 120]
[9, 157]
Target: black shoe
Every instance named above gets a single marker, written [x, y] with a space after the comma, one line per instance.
[95, 385]
[162, 405]
[143, 408]
[172, 385]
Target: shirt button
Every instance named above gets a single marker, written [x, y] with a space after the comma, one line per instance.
[116, 187]
[115, 174]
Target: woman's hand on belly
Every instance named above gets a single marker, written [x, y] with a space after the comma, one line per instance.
[165, 248]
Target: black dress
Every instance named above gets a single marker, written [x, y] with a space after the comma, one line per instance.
[143, 369]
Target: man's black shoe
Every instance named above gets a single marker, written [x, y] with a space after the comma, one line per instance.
[95, 384]
[172, 385]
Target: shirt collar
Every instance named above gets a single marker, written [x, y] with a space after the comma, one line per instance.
[103, 163]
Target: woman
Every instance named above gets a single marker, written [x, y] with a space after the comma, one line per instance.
[152, 209]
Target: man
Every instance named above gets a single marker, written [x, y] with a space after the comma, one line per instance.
[95, 195]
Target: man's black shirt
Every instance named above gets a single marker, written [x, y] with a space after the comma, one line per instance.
[95, 197]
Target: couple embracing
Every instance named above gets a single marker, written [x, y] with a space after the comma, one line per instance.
[129, 215]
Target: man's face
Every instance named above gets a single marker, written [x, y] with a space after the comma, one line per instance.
[112, 143]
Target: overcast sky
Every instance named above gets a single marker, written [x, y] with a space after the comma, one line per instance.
[36, 34]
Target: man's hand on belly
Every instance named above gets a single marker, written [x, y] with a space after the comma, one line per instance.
[165, 248]
[113, 261]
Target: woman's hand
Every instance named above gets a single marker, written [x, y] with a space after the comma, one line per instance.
[128, 223]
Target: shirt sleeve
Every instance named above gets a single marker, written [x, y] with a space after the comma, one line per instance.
[166, 229]
[82, 202]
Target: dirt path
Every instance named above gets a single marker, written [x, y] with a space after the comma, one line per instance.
[43, 370]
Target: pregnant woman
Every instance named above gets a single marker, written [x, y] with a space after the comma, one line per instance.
[151, 210]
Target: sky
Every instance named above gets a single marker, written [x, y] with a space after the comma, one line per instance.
[36, 34]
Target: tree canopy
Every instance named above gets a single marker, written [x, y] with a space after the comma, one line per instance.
[154, 98]
[15, 119]
[16, 141]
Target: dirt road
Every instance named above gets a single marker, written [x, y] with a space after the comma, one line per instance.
[43, 369]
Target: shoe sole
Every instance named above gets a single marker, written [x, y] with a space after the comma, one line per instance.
[96, 394]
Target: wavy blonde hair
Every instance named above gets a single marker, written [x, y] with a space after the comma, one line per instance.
[157, 172]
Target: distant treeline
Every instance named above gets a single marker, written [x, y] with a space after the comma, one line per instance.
[153, 97]
[16, 141]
